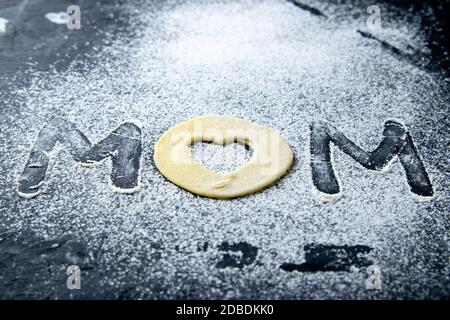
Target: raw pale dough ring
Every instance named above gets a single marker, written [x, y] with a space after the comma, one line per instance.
[272, 157]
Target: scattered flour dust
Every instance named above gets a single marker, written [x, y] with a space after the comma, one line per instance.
[58, 17]
[3, 23]
[268, 62]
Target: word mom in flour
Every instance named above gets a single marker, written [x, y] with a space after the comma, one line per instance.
[123, 146]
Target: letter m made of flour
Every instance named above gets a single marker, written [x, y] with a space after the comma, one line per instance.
[397, 142]
[123, 145]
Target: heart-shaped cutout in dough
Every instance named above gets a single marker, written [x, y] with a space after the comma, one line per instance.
[272, 157]
[221, 158]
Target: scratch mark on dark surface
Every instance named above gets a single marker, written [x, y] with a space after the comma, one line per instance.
[321, 257]
[20, 9]
[411, 58]
[385, 44]
[238, 255]
[312, 10]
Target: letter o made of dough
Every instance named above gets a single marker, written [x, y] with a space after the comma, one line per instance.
[272, 157]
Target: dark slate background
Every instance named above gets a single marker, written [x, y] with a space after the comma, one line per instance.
[35, 269]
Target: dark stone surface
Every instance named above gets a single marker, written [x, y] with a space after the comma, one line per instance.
[30, 38]
[34, 269]
[319, 257]
[238, 255]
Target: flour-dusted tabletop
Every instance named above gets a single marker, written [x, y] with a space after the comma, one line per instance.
[282, 64]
